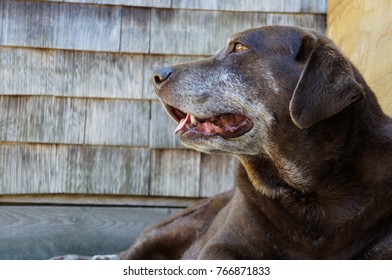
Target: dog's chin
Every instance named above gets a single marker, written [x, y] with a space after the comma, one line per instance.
[203, 143]
[217, 144]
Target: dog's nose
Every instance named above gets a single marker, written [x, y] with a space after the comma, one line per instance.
[161, 75]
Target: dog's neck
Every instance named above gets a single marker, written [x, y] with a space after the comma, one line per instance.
[306, 161]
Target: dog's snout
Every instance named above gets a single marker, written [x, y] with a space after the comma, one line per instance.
[161, 75]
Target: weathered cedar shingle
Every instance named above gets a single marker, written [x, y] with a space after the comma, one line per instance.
[175, 173]
[42, 119]
[61, 26]
[106, 170]
[73, 169]
[25, 71]
[135, 31]
[162, 128]
[45, 119]
[65, 73]
[117, 122]
[217, 173]
[94, 74]
[2, 14]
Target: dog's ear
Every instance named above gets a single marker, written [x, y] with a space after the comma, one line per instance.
[326, 85]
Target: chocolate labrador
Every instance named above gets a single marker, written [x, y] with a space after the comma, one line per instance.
[315, 150]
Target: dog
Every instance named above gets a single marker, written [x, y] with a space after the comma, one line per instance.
[315, 151]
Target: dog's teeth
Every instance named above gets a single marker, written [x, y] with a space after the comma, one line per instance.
[193, 119]
[183, 123]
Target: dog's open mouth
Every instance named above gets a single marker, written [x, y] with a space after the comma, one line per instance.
[226, 125]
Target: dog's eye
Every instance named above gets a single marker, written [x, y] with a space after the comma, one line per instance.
[238, 47]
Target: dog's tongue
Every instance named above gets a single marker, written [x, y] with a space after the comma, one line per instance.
[182, 123]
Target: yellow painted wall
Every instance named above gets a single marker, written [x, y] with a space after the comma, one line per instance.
[363, 29]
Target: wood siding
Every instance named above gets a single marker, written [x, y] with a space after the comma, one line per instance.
[37, 168]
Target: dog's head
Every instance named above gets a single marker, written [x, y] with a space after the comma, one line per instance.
[274, 78]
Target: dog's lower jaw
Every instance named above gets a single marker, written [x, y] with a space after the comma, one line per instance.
[215, 144]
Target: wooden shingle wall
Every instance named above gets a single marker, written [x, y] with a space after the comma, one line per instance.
[79, 118]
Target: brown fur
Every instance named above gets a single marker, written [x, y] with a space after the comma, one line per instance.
[315, 175]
